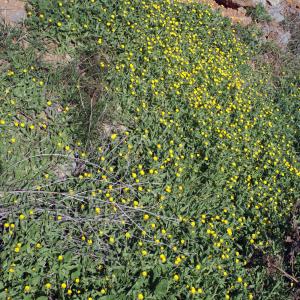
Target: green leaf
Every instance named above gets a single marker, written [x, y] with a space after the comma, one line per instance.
[108, 297]
[75, 274]
[162, 288]
[157, 272]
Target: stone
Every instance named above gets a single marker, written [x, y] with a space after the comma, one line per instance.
[4, 65]
[63, 171]
[242, 10]
[276, 13]
[274, 32]
[294, 3]
[245, 3]
[284, 38]
[108, 129]
[274, 2]
[12, 11]
[52, 58]
[52, 55]
[237, 15]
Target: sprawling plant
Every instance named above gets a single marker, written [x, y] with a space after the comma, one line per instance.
[178, 202]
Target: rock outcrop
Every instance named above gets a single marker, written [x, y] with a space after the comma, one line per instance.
[12, 11]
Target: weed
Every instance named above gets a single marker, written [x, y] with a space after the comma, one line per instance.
[259, 13]
[197, 172]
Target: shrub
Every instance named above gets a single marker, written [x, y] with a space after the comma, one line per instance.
[176, 203]
[259, 13]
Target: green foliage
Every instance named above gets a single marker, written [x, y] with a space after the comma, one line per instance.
[259, 13]
[178, 198]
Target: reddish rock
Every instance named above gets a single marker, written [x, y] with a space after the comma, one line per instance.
[235, 15]
[294, 3]
[241, 3]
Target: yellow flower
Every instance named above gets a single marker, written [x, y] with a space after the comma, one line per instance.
[113, 136]
[168, 189]
[17, 249]
[127, 235]
[140, 296]
[177, 260]
[146, 217]
[27, 289]
[229, 231]
[63, 285]
[239, 279]
[21, 217]
[144, 274]
[48, 285]
[176, 277]
[163, 258]
[60, 258]
[69, 292]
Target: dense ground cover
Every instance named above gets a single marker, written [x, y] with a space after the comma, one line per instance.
[186, 199]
